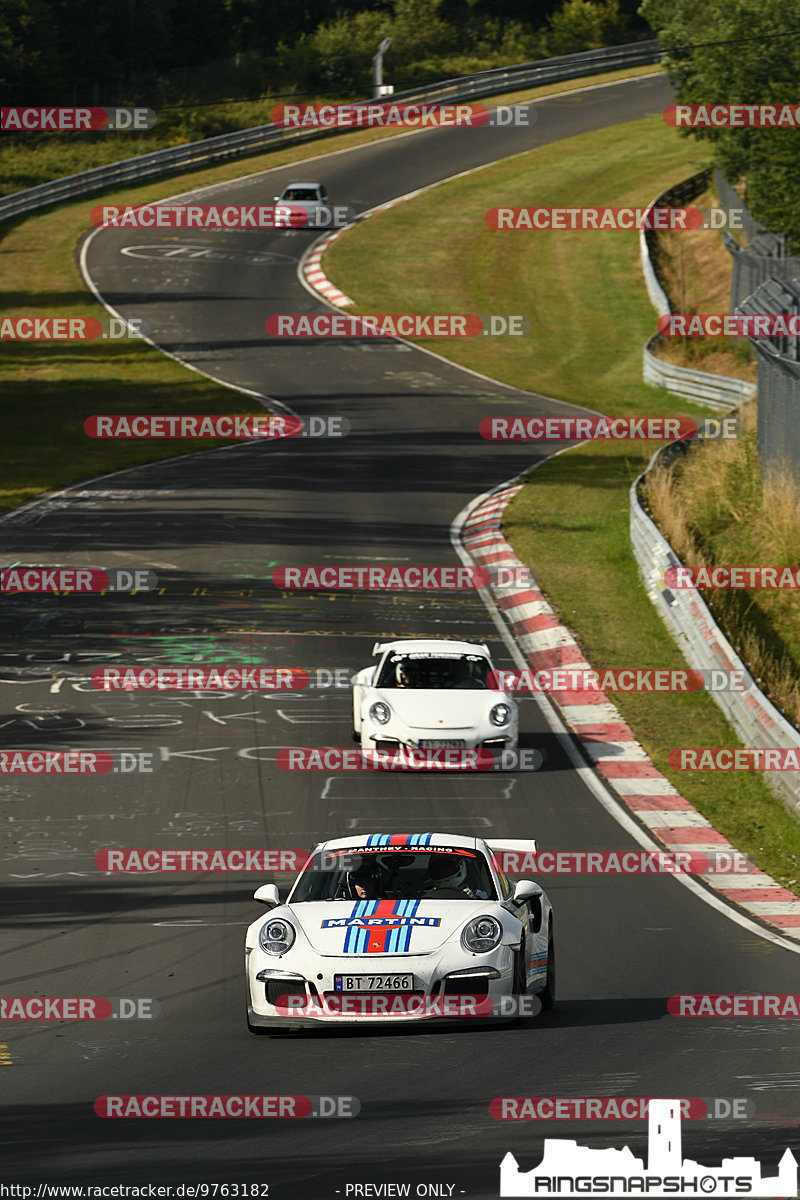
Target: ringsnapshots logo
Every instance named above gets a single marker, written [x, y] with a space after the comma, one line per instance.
[226, 425]
[568, 1169]
[585, 429]
[75, 120]
[261, 1107]
[78, 1008]
[393, 115]
[654, 217]
[71, 329]
[18, 579]
[78, 762]
[397, 325]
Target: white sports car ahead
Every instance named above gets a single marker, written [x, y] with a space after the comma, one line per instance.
[400, 927]
[307, 199]
[423, 695]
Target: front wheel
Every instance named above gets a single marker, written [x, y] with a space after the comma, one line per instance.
[548, 995]
[520, 973]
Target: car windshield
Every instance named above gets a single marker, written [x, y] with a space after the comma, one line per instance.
[418, 669]
[395, 873]
[301, 194]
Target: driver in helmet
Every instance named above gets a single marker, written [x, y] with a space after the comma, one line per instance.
[363, 882]
[403, 675]
[448, 873]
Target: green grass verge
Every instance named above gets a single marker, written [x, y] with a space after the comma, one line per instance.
[590, 316]
[48, 389]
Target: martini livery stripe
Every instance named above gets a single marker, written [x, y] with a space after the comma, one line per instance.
[384, 936]
[399, 839]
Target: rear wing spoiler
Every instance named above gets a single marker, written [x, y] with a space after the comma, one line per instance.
[379, 647]
[509, 855]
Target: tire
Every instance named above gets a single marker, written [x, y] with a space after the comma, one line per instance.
[520, 983]
[548, 994]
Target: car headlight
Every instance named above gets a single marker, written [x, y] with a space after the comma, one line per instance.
[380, 713]
[481, 934]
[500, 714]
[277, 936]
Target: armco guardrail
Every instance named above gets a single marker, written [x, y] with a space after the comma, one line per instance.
[715, 391]
[263, 137]
[704, 646]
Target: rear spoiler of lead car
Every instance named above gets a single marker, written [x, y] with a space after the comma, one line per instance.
[509, 853]
[379, 647]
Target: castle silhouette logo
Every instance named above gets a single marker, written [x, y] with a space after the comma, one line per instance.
[568, 1169]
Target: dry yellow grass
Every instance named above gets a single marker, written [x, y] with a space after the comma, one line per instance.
[713, 506]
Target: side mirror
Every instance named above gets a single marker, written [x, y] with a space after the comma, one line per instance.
[267, 894]
[275, 199]
[525, 889]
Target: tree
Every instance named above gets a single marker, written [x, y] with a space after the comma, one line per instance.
[28, 52]
[583, 25]
[740, 52]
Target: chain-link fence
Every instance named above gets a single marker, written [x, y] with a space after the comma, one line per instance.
[764, 280]
[778, 375]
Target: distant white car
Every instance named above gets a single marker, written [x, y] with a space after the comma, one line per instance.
[306, 197]
[403, 927]
[426, 695]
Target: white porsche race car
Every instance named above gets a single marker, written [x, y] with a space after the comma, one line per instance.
[423, 695]
[400, 927]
